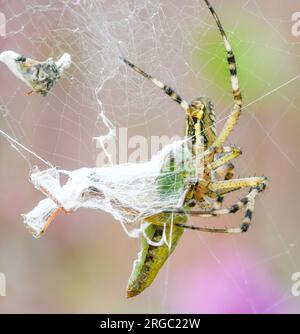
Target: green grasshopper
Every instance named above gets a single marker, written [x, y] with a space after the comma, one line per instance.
[207, 193]
[151, 258]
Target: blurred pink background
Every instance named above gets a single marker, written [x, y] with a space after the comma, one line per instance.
[83, 262]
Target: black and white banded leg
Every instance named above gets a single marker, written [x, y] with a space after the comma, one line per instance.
[246, 202]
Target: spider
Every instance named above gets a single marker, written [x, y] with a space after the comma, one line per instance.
[208, 192]
[218, 172]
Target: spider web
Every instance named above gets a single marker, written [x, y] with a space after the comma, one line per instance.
[98, 97]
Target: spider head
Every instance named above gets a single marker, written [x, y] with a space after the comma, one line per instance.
[201, 116]
[200, 106]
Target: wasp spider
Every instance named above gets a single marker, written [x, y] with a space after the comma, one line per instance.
[217, 180]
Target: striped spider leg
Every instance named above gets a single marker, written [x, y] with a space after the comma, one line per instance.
[237, 96]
